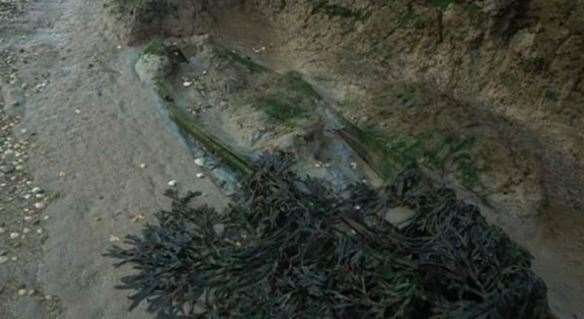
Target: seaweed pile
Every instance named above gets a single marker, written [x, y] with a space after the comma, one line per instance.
[293, 248]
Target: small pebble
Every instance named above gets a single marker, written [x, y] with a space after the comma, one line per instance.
[200, 162]
[46, 217]
[22, 292]
[143, 165]
[77, 111]
[14, 235]
[39, 205]
[14, 258]
[187, 84]
[172, 183]
[200, 175]
[26, 230]
[39, 231]
[114, 238]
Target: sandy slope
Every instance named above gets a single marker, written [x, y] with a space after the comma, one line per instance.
[95, 125]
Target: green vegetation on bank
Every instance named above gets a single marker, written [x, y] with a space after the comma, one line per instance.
[390, 154]
[327, 8]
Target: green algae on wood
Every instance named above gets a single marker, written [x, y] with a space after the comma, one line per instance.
[241, 59]
[186, 123]
[211, 143]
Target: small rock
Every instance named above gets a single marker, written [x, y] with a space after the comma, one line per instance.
[353, 165]
[114, 239]
[39, 231]
[14, 235]
[26, 230]
[143, 165]
[200, 162]
[14, 258]
[77, 111]
[200, 175]
[172, 183]
[39, 205]
[187, 84]
[22, 292]
[27, 218]
[36, 190]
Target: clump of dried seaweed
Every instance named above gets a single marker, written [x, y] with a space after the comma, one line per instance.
[293, 248]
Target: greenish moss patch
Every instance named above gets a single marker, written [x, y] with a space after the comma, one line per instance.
[287, 98]
[390, 154]
[442, 4]
[155, 47]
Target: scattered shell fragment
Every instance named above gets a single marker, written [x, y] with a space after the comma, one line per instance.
[200, 162]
